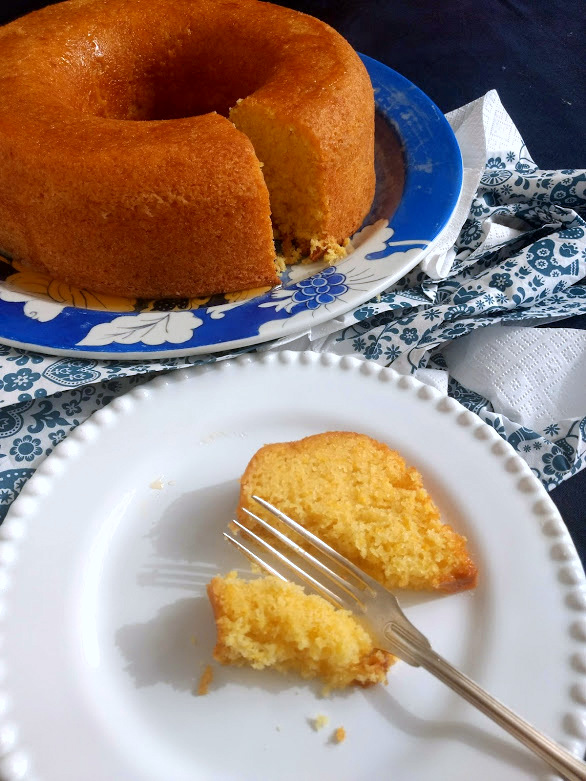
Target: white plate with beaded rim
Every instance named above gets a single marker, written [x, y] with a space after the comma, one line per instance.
[106, 628]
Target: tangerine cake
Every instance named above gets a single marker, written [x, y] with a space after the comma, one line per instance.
[145, 143]
[266, 622]
[361, 498]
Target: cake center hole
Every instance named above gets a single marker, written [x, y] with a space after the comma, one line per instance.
[185, 77]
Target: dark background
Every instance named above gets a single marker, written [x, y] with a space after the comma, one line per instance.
[531, 51]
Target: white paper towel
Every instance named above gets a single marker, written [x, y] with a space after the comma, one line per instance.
[479, 127]
[531, 375]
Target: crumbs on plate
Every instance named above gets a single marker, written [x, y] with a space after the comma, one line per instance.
[320, 721]
[204, 682]
[340, 735]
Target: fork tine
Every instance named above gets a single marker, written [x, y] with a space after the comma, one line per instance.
[299, 571]
[253, 557]
[333, 576]
[365, 580]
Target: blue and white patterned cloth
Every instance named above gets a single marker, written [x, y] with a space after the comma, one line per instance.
[520, 257]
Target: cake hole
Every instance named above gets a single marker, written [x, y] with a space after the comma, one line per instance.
[177, 74]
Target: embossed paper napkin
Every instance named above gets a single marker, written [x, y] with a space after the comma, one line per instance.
[513, 254]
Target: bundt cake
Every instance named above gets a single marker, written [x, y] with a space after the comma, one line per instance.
[138, 139]
[360, 497]
[266, 622]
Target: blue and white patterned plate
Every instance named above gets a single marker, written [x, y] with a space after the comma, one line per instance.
[407, 217]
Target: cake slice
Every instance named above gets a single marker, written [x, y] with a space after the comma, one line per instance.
[362, 499]
[266, 622]
[316, 144]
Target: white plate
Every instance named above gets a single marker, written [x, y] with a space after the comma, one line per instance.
[106, 628]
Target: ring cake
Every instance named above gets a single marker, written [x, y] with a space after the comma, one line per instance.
[145, 144]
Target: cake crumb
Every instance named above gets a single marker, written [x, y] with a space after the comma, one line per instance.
[280, 263]
[340, 735]
[320, 721]
[157, 484]
[327, 250]
[205, 680]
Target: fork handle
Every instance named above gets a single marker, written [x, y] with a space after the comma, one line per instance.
[557, 757]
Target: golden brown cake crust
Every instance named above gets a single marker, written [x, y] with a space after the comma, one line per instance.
[175, 204]
[362, 499]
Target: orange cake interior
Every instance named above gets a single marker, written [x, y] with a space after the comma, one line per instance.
[362, 499]
[266, 622]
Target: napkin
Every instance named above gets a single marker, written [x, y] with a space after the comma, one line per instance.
[478, 126]
[530, 384]
[513, 254]
[532, 375]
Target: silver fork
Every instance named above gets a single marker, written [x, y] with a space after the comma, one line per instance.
[393, 631]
